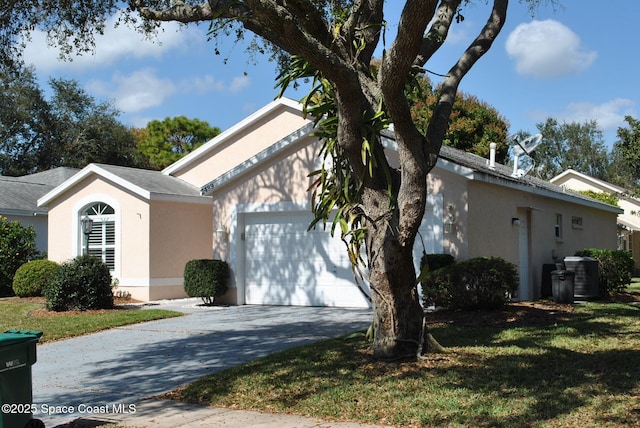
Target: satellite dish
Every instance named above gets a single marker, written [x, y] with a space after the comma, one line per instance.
[529, 144]
[518, 151]
[524, 147]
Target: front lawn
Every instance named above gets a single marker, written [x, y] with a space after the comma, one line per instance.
[540, 365]
[21, 314]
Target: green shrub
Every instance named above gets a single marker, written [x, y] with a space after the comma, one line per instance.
[429, 263]
[480, 283]
[17, 246]
[436, 261]
[206, 279]
[615, 268]
[32, 277]
[80, 284]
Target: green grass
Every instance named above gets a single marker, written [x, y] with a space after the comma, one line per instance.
[18, 315]
[581, 369]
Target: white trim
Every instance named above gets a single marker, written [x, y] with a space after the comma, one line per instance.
[119, 181]
[230, 133]
[22, 213]
[453, 167]
[612, 187]
[76, 239]
[249, 164]
[86, 172]
[447, 165]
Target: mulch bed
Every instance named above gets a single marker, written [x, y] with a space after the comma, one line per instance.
[518, 314]
[119, 304]
[513, 315]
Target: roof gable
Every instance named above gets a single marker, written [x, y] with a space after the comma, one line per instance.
[231, 133]
[147, 184]
[560, 178]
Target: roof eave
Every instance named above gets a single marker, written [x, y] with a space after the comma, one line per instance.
[87, 171]
[229, 133]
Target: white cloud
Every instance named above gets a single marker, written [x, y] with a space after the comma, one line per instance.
[117, 43]
[205, 84]
[135, 92]
[609, 115]
[547, 49]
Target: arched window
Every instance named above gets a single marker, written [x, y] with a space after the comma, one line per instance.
[101, 240]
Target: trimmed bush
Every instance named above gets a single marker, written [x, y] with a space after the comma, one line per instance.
[436, 261]
[80, 284]
[480, 283]
[206, 278]
[17, 246]
[32, 277]
[615, 268]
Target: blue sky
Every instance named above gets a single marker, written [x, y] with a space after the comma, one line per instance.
[576, 62]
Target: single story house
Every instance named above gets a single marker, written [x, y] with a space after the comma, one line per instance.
[19, 197]
[628, 221]
[242, 197]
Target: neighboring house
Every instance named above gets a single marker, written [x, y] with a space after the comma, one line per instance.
[243, 197]
[628, 221]
[19, 196]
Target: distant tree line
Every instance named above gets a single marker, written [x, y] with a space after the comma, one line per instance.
[72, 129]
[581, 146]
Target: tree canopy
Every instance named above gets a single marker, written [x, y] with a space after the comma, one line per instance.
[625, 170]
[162, 143]
[333, 42]
[575, 145]
[70, 129]
[473, 125]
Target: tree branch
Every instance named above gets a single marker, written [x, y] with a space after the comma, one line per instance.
[438, 32]
[482, 43]
[365, 22]
[186, 13]
[397, 63]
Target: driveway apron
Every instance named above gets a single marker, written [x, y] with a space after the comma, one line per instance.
[107, 371]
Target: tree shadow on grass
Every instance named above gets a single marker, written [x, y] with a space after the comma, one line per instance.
[491, 378]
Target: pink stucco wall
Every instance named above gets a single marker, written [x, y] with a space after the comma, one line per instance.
[242, 145]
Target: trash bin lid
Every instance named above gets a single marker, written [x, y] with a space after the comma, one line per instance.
[10, 337]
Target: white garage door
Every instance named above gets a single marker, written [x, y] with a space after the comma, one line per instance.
[284, 264]
[287, 265]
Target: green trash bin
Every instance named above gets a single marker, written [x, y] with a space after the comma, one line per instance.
[17, 355]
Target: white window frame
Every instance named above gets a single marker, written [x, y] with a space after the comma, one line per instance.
[102, 240]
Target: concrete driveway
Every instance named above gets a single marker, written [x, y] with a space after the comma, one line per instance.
[109, 370]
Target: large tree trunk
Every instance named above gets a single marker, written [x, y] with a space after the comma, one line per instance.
[397, 311]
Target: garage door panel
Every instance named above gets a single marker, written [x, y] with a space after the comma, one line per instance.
[286, 264]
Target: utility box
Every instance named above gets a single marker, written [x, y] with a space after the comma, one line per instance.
[587, 277]
[562, 285]
[17, 355]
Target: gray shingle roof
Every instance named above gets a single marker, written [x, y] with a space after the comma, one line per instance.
[19, 195]
[154, 182]
[52, 177]
[504, 174]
